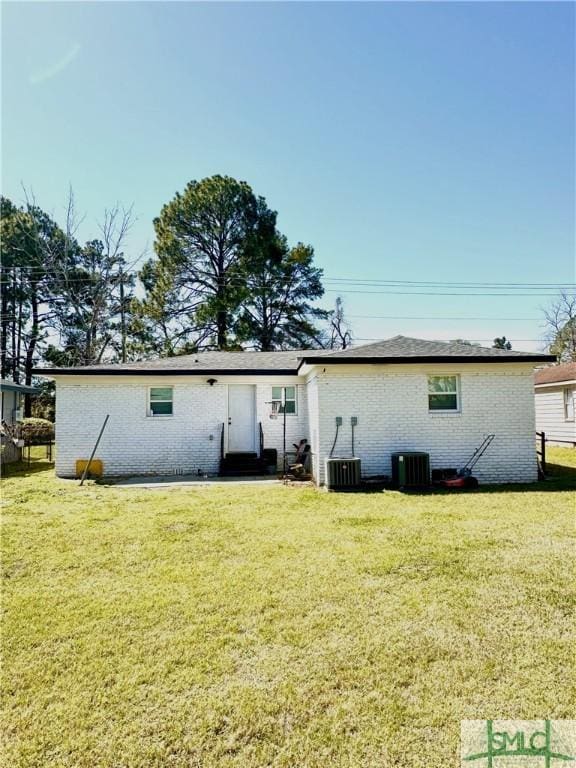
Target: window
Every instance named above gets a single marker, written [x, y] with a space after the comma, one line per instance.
[282, 395]
[443, 393]
[568, 404]
[160, 402]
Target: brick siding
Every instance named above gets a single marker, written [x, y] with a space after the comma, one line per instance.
[391, 403]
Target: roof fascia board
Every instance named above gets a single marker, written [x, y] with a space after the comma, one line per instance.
[21, 388]
[561, 383]
[49, 372]
[423, 359]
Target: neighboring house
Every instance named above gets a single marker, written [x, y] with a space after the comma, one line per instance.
[13, 400]
[555, 393]
[12, 395]
[180, 414]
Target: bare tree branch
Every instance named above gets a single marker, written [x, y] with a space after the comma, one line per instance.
[560, 325]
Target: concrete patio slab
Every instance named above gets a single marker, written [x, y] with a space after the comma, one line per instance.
[174, 481]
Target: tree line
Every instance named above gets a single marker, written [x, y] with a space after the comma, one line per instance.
[223, 277]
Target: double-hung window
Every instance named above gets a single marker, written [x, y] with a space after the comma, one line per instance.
[568, 404]
[444, 394]
[284, 395]
[160, 401]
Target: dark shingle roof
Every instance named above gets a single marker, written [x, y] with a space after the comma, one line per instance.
[202, 363]
[556, 373]
[399, 349]
[406, 349]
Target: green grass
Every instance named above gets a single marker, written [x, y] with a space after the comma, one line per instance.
[270, 626]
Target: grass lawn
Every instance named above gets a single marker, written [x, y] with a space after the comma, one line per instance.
[269, 626]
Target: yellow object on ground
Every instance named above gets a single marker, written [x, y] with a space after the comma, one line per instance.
[96, 467]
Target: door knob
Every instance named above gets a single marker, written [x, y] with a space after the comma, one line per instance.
[229, 421]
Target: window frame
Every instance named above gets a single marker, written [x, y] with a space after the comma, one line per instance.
[149, 412]
[286, 399]
[567, 396]
[457, 391]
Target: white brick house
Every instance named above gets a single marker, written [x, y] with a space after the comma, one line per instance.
[178, 415]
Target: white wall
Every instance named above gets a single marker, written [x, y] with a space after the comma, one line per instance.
[550, 414]
[391, 403]
[314, 422]
[10, 403]
[296, 423]
[134, 443]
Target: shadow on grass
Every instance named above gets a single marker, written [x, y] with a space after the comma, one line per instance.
[559, 478]
[24, 469]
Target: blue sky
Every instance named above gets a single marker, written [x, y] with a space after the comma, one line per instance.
[404, 141]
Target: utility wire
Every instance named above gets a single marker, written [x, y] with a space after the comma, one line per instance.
[358, 281]
[433, 293]
[451, 317]
[344, 291]
[459, 284]
[559, 283]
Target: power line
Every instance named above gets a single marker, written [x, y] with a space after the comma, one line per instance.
[341, 291]
[459, 284]
[434, 293]
[385, 287]
[365, 282]
[452, 317]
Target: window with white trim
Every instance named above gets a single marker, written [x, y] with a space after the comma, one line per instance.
[281, 395]
[568, 404]
[443, 394]
[160, 401]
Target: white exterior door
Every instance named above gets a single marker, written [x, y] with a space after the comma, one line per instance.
[241, 418]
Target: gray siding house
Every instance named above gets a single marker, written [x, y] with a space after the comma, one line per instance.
[555, 394]
[12, 397]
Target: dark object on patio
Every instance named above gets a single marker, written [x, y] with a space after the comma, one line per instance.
[376, 482]
[270, 460]
[443, 474]
[270, 455]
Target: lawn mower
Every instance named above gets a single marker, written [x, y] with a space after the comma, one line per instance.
[463, 477]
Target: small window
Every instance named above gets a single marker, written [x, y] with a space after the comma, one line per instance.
[568, 404]
[281, 395]
[160, 403]
[443, 393]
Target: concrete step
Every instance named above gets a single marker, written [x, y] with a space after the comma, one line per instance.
[242, 464]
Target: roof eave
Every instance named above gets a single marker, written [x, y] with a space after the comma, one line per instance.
[529, 358]
[23, 389]
[559, 383]
[49, 372]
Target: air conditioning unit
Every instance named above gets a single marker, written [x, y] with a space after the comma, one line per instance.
[342, 473]
[410, 469]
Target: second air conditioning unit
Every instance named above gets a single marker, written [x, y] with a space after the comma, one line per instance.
[410, 469]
